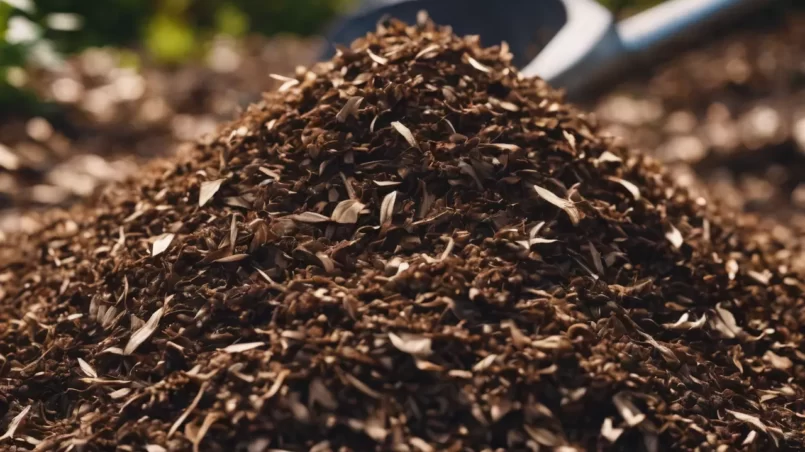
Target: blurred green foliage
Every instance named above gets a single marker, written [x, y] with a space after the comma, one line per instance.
[170, 31]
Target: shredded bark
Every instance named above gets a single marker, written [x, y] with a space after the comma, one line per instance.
[446, 265]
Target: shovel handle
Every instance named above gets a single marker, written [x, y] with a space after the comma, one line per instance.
[675, 21]
[640, 40]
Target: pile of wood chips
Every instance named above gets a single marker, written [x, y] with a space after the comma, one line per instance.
[412, 248]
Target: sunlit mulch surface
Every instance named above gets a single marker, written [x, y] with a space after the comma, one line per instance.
[409, 248]
[110, 117]
[734, 110]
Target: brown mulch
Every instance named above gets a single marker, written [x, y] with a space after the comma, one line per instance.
[111, 117]
[726, 117]
[733, 110]
[411, 248]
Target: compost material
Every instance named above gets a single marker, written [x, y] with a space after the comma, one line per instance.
[104, 118]
[734, 109]
[410, 248]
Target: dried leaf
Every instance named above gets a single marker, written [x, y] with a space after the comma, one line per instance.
[161, 243]
[684, 325]
[630, 187]
[377, 58]
[232, 258]
[361, 386]
[309, 217]
[674, 236]
[208, 190]
[387, 208]
[120, 393]
[556, 342]
[427, 366]
[564, 204]
[421, 445]
[350, 108]
[504, 147]
[777, 361]
[406, 133]
[188, 410]
[628, 411]
[469, 170]
[607, 156]
[326, 262]
[484, 363]
[596, 256]
[238, 348]
[287, 84]
[142, 334]
[87, 369]
[724, 322]
[15, 423]
[429, 49]
[543, 436]
[667, 354]
[412, 344]
[571, 139]
[609, 432]
[775, 433]
[477, 65]
[732, 268]
[763, 277]
[209, 419]
[347, 211]
[386, 183]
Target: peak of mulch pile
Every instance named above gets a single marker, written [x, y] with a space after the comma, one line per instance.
[409, 248]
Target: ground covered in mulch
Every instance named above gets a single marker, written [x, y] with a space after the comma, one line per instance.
[106, 116]
[411, 247]
[733, 110]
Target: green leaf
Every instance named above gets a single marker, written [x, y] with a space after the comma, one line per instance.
[230, 20]
[169, 38]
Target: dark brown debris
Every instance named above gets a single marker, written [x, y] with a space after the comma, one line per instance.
[458, 262]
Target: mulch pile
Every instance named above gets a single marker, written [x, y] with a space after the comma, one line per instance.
[409, 248]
